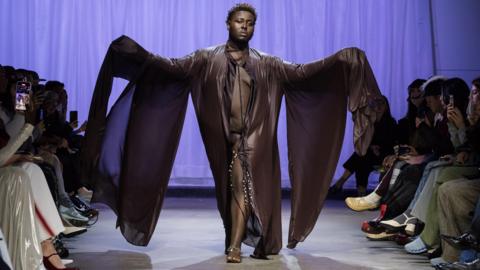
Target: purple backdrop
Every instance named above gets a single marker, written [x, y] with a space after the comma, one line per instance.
[66, 41]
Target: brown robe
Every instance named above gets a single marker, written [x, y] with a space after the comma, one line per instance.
[130, 153]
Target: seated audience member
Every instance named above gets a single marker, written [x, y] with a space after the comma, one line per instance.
[432, 90]
[57, 127]
[381, 146]
[15, 120]
[457, 198]
[463, 164]
[398, 185]
[416, 108]
[5, 262]
[468, 244]
[47, 221]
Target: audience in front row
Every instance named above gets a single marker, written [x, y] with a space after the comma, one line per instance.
[426, 197]
[40, 201]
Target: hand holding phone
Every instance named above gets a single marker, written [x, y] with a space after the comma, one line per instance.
[22, 95]
[451, 101]
[74, 119]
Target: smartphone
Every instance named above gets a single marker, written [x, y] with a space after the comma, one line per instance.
[73, 116]
[451, 101]
[22, 95]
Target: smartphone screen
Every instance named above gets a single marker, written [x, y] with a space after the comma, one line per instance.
[73, 116]
[22, 95]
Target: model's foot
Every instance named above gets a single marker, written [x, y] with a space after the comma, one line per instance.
[234, 255]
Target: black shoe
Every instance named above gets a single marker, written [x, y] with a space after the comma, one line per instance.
[62, 251]
[462, 242]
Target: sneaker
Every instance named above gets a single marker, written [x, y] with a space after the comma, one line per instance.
[416, 246]
[73, 216]
[401, 223]
[85, 195]
[83, 208]
[437, 261]
[360, 204]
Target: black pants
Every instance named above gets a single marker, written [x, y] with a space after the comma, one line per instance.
[362, 166]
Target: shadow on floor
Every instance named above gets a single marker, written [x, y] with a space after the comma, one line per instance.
[112, 259]
[278, 262]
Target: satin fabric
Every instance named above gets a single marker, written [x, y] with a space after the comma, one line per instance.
[17, 219]
[129, 154]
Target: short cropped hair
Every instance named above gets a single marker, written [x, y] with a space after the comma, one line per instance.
[242, 7]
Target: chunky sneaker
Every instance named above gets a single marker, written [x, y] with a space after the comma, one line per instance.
[360, 204]
[73, 216]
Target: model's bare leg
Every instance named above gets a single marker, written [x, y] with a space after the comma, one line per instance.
[240, 211]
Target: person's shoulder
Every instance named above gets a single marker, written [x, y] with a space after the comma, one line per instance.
[215, 49]
[264, 57]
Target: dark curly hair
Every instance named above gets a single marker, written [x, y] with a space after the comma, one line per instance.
[242, 7]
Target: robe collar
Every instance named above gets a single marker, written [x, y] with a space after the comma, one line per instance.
[233, 47]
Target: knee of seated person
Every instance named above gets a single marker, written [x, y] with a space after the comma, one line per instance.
[448, 189]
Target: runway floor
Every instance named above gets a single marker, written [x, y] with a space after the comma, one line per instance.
[189, 235]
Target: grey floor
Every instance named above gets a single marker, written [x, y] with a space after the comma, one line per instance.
[189, 235]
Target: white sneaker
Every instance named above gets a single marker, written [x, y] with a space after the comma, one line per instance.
[72, 216]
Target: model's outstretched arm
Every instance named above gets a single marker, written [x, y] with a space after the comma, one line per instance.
[318, 95]
[128, 155]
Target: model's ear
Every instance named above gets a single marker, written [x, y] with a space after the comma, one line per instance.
[228, 26]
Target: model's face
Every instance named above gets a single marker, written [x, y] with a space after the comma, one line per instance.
[241, 26]
[434, 103]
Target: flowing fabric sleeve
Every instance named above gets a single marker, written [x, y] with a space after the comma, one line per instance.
[128, 155]
[318, 95]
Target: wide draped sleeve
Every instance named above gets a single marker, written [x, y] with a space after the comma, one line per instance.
[128, 154]
[318, 95]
